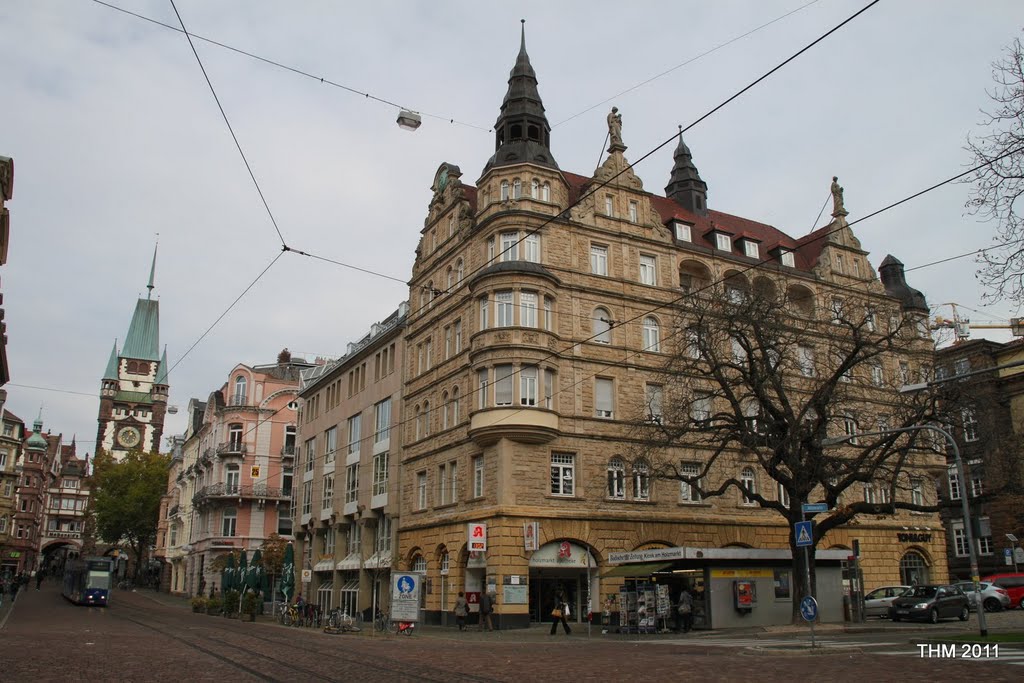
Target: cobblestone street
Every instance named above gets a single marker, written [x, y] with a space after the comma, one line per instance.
[145, 636]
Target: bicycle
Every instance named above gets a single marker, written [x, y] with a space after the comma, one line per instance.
[382, 622]
[289, 615]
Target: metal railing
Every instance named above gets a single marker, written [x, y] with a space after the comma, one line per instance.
[231, 448]
[250, 492]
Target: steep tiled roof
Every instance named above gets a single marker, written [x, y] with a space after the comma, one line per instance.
[8, 415]
[143, 340]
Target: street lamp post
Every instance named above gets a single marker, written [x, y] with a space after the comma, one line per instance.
[973, 552]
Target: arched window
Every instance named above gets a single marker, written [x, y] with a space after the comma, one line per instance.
[430, 293]
[238, 398]
[450, 278]
[749, 482]
[641, 481]
[535, 189]
[913, 569]
[426, 418]
[616, 479]
[451, 225]
[652, 335]
[444, 410]
[504, 190]
[419, 422]
[517, 189]
[455, 405]
[545, 192]
[602, 326]
[459, 271]
[419, 565]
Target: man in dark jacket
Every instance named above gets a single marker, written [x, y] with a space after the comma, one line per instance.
[486, 608]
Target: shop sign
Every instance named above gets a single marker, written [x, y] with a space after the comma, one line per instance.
[562, 554]
[531, 534]
[14, 553]
[405, 597]
[651, 555]
[903, 537]
[745, 573]
[477, 537]
[307, 575]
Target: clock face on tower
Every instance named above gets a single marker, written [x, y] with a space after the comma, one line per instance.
[129, 437]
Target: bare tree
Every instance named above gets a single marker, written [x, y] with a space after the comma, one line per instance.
[756, 380]
[999, 185]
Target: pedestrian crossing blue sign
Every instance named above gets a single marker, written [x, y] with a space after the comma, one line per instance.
[803, 533]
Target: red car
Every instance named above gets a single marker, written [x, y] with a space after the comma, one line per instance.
[1012, 583]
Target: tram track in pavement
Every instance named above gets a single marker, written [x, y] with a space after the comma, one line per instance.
[393, 667]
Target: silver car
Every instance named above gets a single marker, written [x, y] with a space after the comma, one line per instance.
[877, 602]
[993, 597]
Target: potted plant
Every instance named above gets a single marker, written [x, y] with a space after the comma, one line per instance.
[198, 603]
[213, 606]
[231, 599]
[249, 606]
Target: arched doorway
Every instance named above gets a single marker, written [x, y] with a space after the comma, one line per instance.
[914, 569]
[561, 565]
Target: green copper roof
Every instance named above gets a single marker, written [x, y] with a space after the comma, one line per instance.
[161, 374]
[133, 397]
[111, 372]
[37, 441]
[143, 340]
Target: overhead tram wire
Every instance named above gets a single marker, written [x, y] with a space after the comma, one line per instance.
[230, 129]
[300, 72]
[688, 61]
[965, 254]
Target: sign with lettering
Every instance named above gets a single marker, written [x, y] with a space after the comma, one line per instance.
[651, 555]
[254, 472]
[904, 537]
[405, 597]
[476, 536]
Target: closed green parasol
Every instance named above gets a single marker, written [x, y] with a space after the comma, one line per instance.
[227, 577]
[260, 576]
[288, 573]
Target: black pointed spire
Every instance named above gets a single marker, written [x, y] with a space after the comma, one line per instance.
[522, 133]
[895, 282]
[685, 185]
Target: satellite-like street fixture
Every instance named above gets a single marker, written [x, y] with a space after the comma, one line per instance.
[409, 120]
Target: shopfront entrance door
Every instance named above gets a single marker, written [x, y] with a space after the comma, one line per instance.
[543, 590]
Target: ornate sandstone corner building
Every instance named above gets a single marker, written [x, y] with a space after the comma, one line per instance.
[541, 321]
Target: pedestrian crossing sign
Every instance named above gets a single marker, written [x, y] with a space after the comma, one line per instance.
[802, 531]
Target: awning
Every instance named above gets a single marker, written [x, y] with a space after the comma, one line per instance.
[378, 561]
[323, 566]
[350, 586]
[643, 569]
[350, 562]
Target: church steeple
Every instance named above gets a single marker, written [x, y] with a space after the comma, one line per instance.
[522, 133]
[152, 272]
[686, 186]
[111, 372]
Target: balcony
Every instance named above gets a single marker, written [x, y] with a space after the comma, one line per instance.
[76, 535]
[207, 457]
[259, 492]
[231, 448]
[288, 451]
[173, 512]
[533, 425]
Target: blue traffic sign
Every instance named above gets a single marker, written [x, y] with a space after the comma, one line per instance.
[809, 608]
[804, 534]
[811, 508]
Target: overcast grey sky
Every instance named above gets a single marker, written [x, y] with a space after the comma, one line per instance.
[116, 138]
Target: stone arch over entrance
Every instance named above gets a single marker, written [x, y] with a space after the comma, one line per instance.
[566, 565]
[915, 567]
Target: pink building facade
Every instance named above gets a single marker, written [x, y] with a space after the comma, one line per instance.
[233, 486]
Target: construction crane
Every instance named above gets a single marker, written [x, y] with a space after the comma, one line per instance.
[962, 326]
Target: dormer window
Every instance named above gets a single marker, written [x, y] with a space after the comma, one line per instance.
[723, 242]
[750, 249]
[786, 258]
[683, 233]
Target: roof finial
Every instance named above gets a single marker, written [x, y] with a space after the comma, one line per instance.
[522, 40]
[152, 268]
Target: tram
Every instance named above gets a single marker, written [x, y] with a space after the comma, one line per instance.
[87, 581]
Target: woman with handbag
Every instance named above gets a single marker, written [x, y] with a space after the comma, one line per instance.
[559, 612]
[686, 610]
[461, 608]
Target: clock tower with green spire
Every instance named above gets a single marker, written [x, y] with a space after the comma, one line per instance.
[134, 388]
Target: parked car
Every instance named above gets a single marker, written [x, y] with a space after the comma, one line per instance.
[877, 602]
[1012, 583]
[932, 602]
[993, 597]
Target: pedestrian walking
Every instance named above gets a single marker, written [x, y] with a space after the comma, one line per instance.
[559, 612]
[460, 611]
[15, 585]
[486, 609]
[40, 575]
[686, 610]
